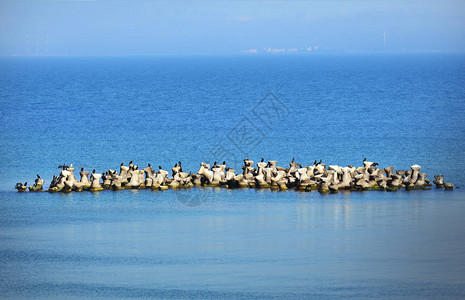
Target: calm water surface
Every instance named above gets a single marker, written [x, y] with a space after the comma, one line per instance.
[96, 112]
[237, 244]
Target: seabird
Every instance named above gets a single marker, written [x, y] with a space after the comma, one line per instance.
[262, 159]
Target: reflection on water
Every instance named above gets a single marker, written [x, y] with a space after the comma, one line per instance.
[338, 211]
[236, 244]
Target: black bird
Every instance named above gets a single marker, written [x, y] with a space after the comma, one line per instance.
[364, 159]
[93, 171]
[159, 167]
[82, 169]
[262, 159]
[25, 184]
[122, 163]
[150, 166]
[224, 162]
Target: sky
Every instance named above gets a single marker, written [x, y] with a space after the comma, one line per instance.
[102, 27]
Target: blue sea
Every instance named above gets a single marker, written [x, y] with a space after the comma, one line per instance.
[206, 243]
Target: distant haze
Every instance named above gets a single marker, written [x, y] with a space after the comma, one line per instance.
[229, 27]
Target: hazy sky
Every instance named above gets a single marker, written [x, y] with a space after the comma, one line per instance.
[227, 27]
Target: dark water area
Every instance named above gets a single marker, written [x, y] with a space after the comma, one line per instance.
[95, 112]
[98, 111]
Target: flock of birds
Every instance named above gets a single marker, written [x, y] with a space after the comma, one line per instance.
[318, 176]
